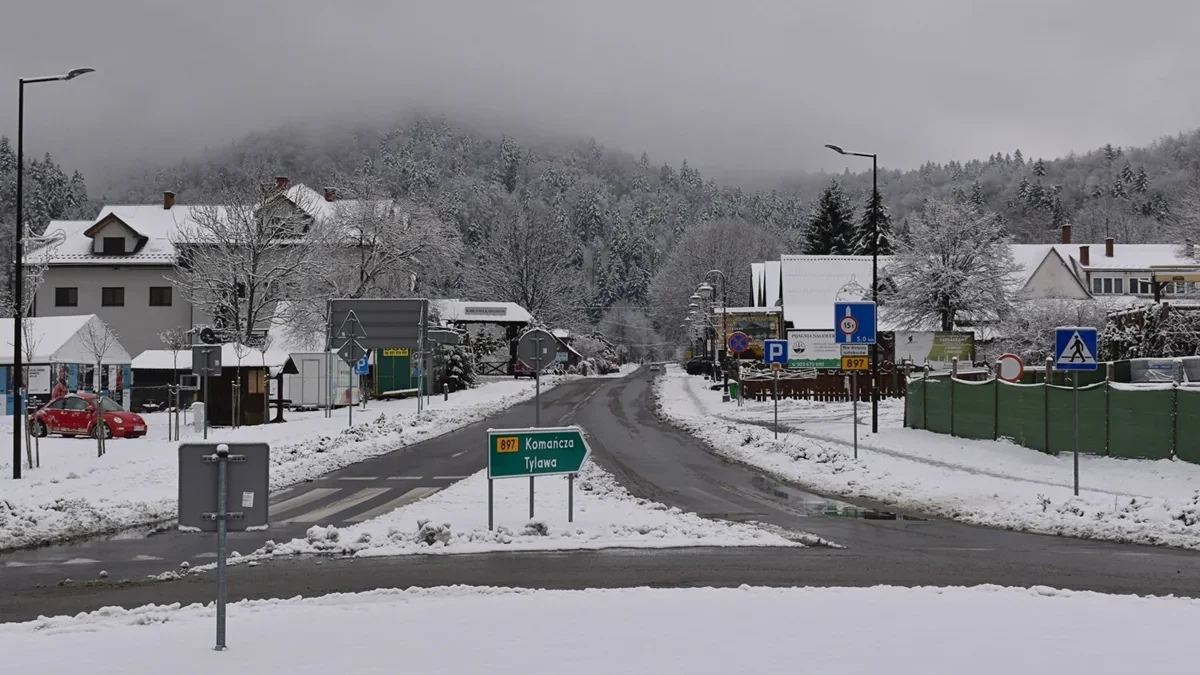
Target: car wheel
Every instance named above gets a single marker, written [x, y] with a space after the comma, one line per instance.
[103, 428]
[37, 428]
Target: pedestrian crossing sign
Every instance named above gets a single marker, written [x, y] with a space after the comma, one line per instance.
[1075, 348]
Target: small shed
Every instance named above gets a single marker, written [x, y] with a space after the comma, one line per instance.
[307, 383]
[60, 354]
[156, 368]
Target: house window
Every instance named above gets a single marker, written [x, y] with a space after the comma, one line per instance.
[113, 246]
[66, 296]
[1118, 285]
[1097, 285]
[160, 296]
[112, 296]
[1108, 286]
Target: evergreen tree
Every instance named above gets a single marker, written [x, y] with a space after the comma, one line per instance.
[1127, 173]
[1023, 190]
[1039, 168]
[830, 227]
[1117, 191]
[1110, 153]
[1141, 181]
[977, 197]
[1018, 158]
[860, 244]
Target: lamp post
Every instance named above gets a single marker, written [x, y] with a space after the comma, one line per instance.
[874, 273]
[706, 290]
[19, 259]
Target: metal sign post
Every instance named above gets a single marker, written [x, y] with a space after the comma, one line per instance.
[531, 350]
[204, 500]
[1075, 350]
[776, 403]
[854, 409]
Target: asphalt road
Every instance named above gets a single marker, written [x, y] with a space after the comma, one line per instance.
[655, 461]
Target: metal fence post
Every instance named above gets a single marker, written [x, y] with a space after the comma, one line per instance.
[1046, 404]
[953, 374]
[925, 396]
[996, 402]
[1108, 377]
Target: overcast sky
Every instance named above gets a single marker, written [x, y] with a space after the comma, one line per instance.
[751, 85]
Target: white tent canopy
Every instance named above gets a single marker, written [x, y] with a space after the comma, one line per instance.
[61, 339]
[165, 359]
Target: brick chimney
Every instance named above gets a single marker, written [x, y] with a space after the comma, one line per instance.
[1108, 247]
[330, 194]
[281, 182]
[168, 199]
[1085, 257]
[1066, 234]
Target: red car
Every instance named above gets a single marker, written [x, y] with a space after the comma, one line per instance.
[75, 415]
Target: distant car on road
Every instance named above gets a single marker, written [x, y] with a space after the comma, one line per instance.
[75, 415]
[655, 367]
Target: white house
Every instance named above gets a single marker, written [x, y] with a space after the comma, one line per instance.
[61, 355]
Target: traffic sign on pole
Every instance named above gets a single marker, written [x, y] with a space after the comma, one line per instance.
[854, 323]
[1075, 348]
[542, 451]
[361, 366]
[1010, 367]
[738, 342]
[775, 351]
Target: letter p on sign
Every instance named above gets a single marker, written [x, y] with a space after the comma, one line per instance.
[775, 351]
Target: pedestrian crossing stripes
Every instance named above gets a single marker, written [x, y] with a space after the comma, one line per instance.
[330, 510]
[413, 495]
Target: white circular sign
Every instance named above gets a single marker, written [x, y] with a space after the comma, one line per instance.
[848, 325]
[1011, 367]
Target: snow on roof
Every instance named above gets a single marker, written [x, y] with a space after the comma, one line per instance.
[771, 282]
[747, 310]
[161, 227]
[757, 280]
[1129, 256]
[57, 339]
[165, 359]
[813, 283]
[472, 311]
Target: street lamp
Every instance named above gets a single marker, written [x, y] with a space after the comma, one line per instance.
[874, 273]
[19, 258]
[707, 291]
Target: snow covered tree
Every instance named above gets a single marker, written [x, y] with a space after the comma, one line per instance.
[627, 325]
[1029, 332]
[527, 260]
[830, 227]
[1039, 168]
[1141, 181]
[239, 262]
[860, 243]
[957, 268]
[97, 340]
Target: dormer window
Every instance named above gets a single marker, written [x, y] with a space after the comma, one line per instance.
[113, 246]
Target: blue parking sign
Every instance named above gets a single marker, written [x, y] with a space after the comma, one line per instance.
[361, 366]
[775, 351]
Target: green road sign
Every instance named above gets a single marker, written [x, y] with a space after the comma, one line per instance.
[544, 451]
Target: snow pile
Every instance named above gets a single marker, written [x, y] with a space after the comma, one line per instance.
[455, 521]
[75, 493]
[986, 630]
[991, 483]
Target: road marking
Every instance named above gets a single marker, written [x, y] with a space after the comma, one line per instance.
[144, 558]
[459, 454]
[406, 477]
[407, 498]
[1134, 553]
[306, 498]
[16, 563]
[340, 505]
[80, 561]
[283, 492]
[449, 477]
[358, 478]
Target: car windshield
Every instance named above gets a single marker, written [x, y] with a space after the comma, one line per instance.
[109, 405]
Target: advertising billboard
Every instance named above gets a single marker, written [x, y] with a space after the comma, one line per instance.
[813, 349]
[935, 348]
[757, 326]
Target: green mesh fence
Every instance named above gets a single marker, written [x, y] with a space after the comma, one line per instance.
[974, 409]
[1187, 446]
[915, 404]
[1140, 423]
[937, 405]
[1023, 414]
[1091, 420]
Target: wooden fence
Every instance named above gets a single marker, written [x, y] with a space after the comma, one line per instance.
[822, 387]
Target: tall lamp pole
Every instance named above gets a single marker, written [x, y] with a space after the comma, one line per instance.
[706, 290]
[19, 260]
[874, 273]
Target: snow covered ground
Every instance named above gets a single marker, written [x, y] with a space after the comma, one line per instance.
[455, 521]
[993, 483]
[75, 493]
[985, 630]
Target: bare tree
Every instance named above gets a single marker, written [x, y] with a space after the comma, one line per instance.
[241, 350]
[727, 245]
[264, 345]
[238, 262]
[377, 246]
[97, 340]
[956, 266]
[176, 340]
[631, 329]
[526, 259]
[30, 341]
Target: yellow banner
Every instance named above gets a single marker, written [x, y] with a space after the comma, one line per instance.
[397, 352]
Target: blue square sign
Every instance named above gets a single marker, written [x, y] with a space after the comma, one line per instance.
[854, 323]
[1075, 348]
[775, 351]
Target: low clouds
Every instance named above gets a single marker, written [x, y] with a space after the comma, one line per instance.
[749, 87]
